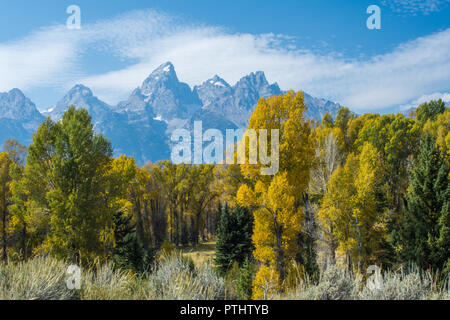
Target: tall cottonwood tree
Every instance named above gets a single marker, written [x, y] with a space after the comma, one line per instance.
[278, 222]
[351, 216]
[65, 183]
[285, 113]
[11, 165]
[201, 196]
[5, 180]
[277, 200]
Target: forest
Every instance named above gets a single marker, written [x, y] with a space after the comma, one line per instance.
[359, 209]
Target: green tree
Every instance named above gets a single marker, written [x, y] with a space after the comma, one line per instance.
[11, 164]
[443, 243]
[128, 252]
[201, 196]
[327, 121]
[245, 279]
[429, 110]
[66, 180]
[397, 139]
[5, 180]
[424, 236]
[234, 237]
[343, 117]
[350, 217]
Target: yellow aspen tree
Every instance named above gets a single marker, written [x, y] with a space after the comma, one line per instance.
[266, 283]
[122, 173]
[5, 194]
[440, 128]
[350, 213]
[329, 151]
[335, 215]
[277, 221]
[296, 150]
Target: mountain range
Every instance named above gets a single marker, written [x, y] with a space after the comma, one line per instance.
[141, 125]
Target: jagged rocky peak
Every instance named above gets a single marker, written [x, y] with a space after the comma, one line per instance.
[216, 81]
[141, 125]
[14, 95]
[79, 90]
[257, 81]
[213, 89]
[80, 96]
[15, 105]
[163, 95]
[318, 107]
[165, 73]
[251, 88]
[19, 117]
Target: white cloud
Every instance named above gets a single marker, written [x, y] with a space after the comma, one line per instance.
[416, 6]
[413, 69]
[426, 98]
[37, 60]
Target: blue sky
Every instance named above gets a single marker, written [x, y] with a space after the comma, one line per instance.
[322, 47]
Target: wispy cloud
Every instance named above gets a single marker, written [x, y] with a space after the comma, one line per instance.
[147, 38]
[416, 6]
[426, 98]
[41, 58]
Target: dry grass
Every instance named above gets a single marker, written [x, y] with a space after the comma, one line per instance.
[338, 284]
[174, 277]
[202, 254]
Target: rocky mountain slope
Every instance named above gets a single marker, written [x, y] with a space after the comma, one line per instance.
[141, 125]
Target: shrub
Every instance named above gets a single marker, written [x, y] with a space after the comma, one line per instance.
[37, 279]
[176, 278]
[404, 285]
[335, 283]
[105, 282]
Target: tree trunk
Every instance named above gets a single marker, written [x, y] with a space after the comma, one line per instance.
[140, 223]
[280, 252]
[5, 253]
[24, 243]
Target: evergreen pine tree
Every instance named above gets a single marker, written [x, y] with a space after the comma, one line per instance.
[245, 280]
[444, 237]
[128, 252]
[429, 110]
[425, 229]
[234, 237]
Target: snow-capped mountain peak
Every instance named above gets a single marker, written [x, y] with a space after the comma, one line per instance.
[217, 81]
[141, 126]
[165, 73]
[164, 95]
